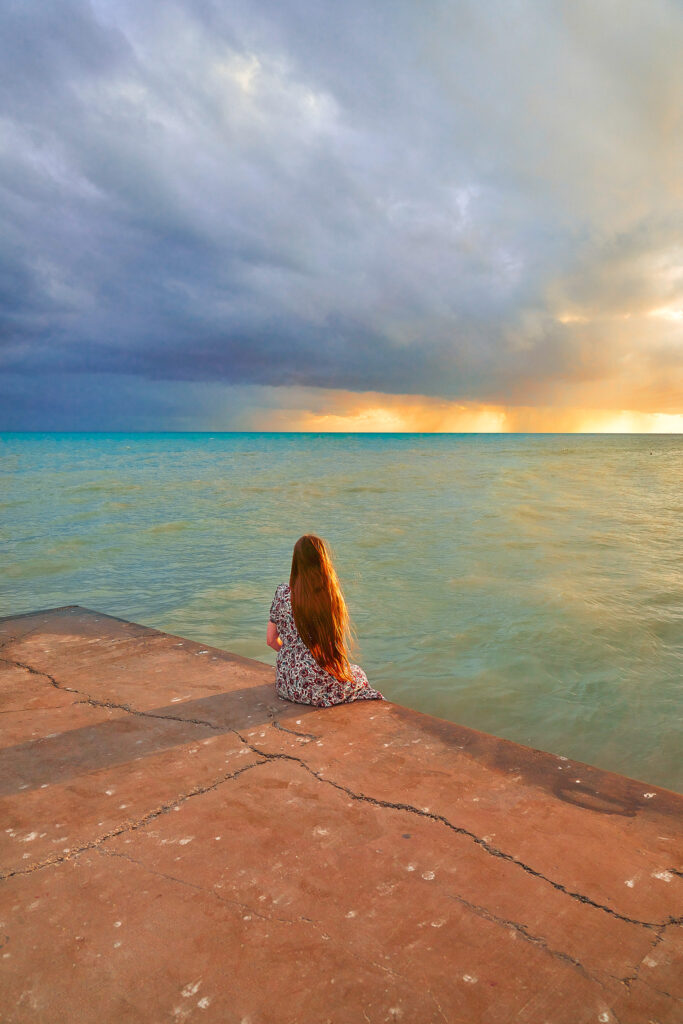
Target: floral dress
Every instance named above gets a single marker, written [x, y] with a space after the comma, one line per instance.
[299, 677]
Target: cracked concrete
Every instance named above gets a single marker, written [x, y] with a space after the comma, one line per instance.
[288, 863]
[126, 827]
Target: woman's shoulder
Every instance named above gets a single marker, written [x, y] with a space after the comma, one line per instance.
[282, 588]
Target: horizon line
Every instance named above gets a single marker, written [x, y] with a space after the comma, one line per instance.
[370, 433]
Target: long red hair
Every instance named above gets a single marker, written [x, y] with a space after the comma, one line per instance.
[318, 606]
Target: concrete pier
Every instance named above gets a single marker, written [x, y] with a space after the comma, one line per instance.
[178, 844]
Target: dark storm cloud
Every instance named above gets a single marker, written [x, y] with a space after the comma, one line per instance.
[439, 199]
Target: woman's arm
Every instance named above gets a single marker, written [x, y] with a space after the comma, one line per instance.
[272, 637]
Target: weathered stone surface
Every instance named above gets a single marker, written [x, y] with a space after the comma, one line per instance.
[180, 844]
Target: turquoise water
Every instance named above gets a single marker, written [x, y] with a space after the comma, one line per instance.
[526, 585]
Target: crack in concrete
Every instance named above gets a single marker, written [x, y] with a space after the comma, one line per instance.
[96, 703]
[661, 991]
[522, 930]
[631, 978]
[460, 830]
[308, 735]
[129, 826]
[492, 850]
[46, 675]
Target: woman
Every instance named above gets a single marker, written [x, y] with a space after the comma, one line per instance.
[308, 628]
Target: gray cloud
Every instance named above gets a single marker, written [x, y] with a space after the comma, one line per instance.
[445, 199]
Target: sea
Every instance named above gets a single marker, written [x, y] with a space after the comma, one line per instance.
[526, 585]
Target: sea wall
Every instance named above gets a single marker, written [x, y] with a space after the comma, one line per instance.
[180, 844]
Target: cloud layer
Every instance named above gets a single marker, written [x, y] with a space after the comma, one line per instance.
[211, 212]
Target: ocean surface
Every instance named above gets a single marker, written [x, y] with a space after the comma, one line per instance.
[527, 585]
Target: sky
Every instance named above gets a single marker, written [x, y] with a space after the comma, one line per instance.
[278, 215]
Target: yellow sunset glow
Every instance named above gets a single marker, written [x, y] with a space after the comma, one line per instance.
[375, 413]
[572, 318]
[629, 422]
[411, 418]
[666, 313]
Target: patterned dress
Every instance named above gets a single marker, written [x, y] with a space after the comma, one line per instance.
[299, 677]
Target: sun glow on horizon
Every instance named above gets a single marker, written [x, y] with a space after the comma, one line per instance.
[378, 419]
[374, 413]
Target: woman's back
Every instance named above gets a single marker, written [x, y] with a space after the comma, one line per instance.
[299, 677]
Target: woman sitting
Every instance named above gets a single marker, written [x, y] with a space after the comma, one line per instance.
[308, 627]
